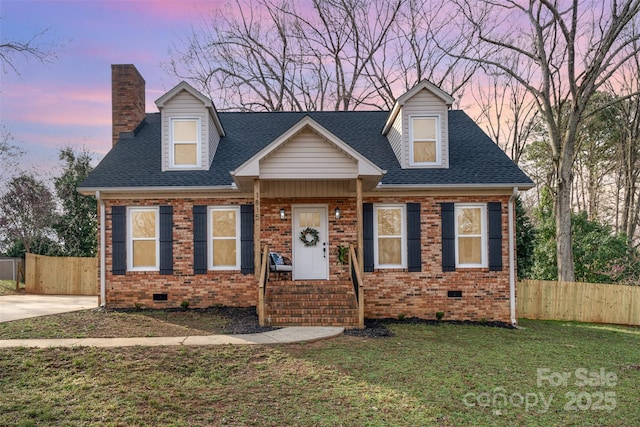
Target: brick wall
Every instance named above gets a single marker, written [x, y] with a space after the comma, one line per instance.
[127, 99]
[485, 294]
[229, 288]
[388, 293]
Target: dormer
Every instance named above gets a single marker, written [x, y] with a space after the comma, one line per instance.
[417, 127]
[191, 129]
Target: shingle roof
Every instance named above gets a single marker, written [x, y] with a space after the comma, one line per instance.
[135, 161]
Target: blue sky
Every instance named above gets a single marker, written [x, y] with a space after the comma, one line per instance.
[68, 101]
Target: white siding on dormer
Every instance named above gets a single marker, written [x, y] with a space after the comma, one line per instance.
[185, 105]
[424, 103]
[395, 137]
[309, 156]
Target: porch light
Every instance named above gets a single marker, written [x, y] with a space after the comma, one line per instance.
[282, 214]
[337, 212]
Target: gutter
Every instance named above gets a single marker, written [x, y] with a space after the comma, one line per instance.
[396, 187]
[88, 191]
[103, 256]
[512, 258]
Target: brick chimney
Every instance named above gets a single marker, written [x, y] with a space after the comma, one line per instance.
[127, 99]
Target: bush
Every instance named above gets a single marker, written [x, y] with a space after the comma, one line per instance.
[600, 256]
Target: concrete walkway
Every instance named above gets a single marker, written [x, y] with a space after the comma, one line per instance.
[24, 306]
[289, 335]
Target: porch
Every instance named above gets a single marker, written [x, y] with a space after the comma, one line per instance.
[318, 225]
[285, 302]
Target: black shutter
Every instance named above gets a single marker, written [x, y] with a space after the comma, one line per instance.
[119, 240]
[246, 239]
[414, 253]
[199, 240]
[367, 233]
[166, 239]
[495, 236]
[448, 237]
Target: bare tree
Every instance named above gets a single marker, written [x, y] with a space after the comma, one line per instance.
[347, 36]
[624, 85]
[573, 49]
[425, 41]
[245, 56]
[34, 48]
[26, 210]
[510, 113]
[9, 153]
[336, 55]
[267, 55]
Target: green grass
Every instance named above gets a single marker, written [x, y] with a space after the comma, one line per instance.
[98, 324]
[8, 287]
[418, 377]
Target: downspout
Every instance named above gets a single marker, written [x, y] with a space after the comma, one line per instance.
[103, 295]
[512, 258]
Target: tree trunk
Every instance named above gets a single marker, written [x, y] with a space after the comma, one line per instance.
[566, 268]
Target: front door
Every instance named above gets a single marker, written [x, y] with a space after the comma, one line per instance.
[310, 243]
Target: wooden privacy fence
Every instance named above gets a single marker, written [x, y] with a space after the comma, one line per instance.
[61, 275]
[583, 302]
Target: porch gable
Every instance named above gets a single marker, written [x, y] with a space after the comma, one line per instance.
[307, 151]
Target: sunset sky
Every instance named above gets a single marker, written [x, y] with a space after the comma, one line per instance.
[68, 101]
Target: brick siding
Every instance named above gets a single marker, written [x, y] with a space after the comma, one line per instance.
[388, 293]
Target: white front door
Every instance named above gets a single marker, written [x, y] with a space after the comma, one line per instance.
[310, 257]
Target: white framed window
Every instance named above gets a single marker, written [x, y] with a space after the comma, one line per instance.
[185, 148]
[471, 235]
[224, 237]
[143, 247]
[424, 140]
[390, 236]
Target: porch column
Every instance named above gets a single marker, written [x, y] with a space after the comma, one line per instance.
[256, 228]
[359, 232]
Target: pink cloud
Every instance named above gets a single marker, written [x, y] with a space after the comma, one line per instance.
[59, 105]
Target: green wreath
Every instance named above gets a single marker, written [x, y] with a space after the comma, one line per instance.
[304, 234]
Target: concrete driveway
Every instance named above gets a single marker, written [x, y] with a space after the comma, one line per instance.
[14, 307]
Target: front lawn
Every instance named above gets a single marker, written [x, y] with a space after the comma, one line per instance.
[447, 375]
[8, 287]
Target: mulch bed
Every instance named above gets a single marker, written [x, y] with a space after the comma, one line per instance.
[244, 320]
[241, 320]
[377, 328]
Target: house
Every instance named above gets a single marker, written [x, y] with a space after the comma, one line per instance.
[418, 200]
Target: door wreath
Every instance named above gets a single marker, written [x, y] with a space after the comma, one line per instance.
[309, 236]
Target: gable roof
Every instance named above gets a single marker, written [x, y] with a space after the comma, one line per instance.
[134, 163]
[362, 165]
[422, 85]
[184, 86]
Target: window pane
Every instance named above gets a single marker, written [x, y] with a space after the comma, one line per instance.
[424, 128]
[224, 252]
[309, 219]
[185, 130]
[424, 152]
[389, 222]
[144, 253]
[185, 154]
[144, 224]
[224, 223]
[470, 250]
[469, 221]
[389, 250]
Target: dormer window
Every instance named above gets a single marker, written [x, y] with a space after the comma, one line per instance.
[186, 146]
[425, 144]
